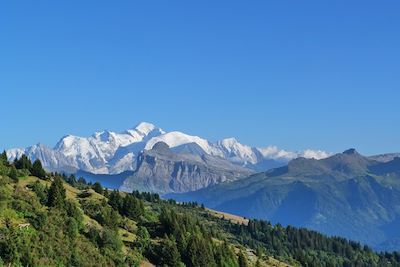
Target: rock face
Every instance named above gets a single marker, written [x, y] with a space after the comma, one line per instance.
[163, 171]
[346, 195]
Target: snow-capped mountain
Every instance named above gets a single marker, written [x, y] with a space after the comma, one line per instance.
[109, 152]
[94, 153]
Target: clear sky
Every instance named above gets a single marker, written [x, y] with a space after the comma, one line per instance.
[297, 74]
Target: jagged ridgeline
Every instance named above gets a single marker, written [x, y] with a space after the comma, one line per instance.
[47, 219]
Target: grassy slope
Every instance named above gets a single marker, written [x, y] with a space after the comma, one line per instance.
[73, 194]
[267, 261]
[129, 237]
[232, 218]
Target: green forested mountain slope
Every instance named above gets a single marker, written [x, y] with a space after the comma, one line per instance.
[346, 195]
[52, 220]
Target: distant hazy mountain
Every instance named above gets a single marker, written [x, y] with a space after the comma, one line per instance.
[108, 152]
[346, 194]
[385, 157]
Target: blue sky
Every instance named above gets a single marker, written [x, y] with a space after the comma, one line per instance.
[297, 74]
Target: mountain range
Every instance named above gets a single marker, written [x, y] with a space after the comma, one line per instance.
[109, 152]
[346, 194]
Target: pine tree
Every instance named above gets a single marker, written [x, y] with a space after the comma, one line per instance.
[143, 239]
[71, 180]
[13, 174]
[56, 196]
[199, 252]
[169, 253]
[242, 260]
[37, 169]
[97, 188]
[3, 158]
[224, 256]
[132, 207]
[82, 180]
[115, 200]
[23, 163]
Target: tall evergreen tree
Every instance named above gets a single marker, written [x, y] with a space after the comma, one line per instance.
[23, 163]
[169, 253]
[199, 252]
[242, 260]
[115, 200]
[3, 158]
[71, 180]
[82, 180]
[132, 207]
[143, 239]
[97, 188]
[37, 169]
[225, 256]
[56, 196]
[13, 174]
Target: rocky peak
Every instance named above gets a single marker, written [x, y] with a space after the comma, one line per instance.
[351, 151]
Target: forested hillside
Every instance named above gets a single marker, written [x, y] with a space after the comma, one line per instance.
[346, 195]
[48, 219]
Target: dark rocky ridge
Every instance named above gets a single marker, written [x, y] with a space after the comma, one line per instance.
[163, 171]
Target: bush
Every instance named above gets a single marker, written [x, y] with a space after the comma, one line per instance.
[72, 228]
[110, 239]
[84, 194]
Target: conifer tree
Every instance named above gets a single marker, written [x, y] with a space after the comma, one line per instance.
[13, 174]
[132, 207]
[97, 188]
[169, 253]
[23, 163]
[242, 260]
[115, 200]
[143, 239]
[3, 158]
[199, 252]
[56, 195]
[82, 180]
[71, 180]
[37, 169]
